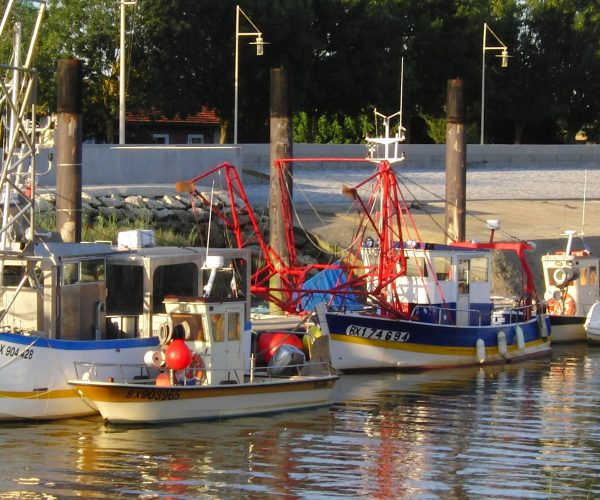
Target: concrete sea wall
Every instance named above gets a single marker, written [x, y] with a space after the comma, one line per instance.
[112, 165]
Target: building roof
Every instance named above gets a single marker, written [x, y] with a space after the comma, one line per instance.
[205, 116]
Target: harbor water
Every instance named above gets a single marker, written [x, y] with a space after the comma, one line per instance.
[527, 430]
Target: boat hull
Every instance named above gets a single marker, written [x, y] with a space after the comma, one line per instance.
[34, 372]
[567, 329]
[364, 342]
[593, 333]
[120, 403]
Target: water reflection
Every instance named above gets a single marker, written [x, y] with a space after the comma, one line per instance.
[525, 430]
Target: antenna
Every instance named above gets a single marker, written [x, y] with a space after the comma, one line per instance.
[212, 192]
[584, 195]
[401, 99]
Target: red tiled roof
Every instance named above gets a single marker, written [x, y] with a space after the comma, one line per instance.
[205, 116]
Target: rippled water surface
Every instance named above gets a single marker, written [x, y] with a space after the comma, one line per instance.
[528, 430]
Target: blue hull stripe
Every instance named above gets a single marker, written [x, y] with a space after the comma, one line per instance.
[77, 345]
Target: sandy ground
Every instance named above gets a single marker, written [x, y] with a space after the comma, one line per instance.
[519, 219]
[539, 221]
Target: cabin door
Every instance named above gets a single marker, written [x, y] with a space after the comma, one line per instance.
[463, 302]
[82, 292]
[226, 352]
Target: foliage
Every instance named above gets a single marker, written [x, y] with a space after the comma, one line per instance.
[103, 228]
[344, 57]
[330, 129]
[436, 128]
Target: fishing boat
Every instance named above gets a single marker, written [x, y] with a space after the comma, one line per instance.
[431, 304]
[208, 368]
[92, 302]
[62, 302]
[571, 281]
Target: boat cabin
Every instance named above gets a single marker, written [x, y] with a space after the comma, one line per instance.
[571, 282]
[214, 327]
[88, 291]
[442, 284]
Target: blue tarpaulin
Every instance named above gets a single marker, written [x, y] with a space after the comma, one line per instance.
[326, 280]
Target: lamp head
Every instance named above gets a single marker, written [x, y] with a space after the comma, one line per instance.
[260, 45]
[504, 57]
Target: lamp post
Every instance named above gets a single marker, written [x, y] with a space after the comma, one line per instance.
[260, 43]
[122, 72]
[504, 49]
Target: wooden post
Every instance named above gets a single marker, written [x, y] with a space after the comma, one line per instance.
[281, 147]
[456, 163]
[69, 150]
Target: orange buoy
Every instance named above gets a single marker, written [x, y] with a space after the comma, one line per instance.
[178, 355]
[269, 342]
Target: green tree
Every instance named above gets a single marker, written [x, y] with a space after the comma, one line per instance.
[87, 31]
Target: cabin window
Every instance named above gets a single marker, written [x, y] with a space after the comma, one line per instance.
[173, 279]
[225, 283]
[415, 266]
[217, 323]
[588, 276]
[479, 269]
[233, 326]
[91, 270]
[12, 275]
[70, 273]
[443, 268]
[125, 290]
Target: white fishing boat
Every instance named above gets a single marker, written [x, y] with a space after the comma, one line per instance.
[68, 302]
[208, 368]
[65, 302]
[571, 281]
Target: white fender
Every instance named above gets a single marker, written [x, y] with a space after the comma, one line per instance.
[543, 326]
[480, 348]
[520, 338]
[502, 347]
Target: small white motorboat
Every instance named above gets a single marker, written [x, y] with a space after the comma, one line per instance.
[592, 324]
[208, 367]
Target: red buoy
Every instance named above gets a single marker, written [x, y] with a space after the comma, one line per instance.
[178, 355]
[269, 342]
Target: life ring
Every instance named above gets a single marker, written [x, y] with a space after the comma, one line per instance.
[565, 306]
[196, 370]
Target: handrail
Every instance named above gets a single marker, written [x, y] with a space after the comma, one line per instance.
[86, 370]
[513, 311]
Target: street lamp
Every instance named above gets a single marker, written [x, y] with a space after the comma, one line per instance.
[504, 55]
[122, 72]
[260, 43]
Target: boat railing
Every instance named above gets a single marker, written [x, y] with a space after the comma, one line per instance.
[450, 316]
[299, 370]
[143, 374]
[515, 314]
[86, 370]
